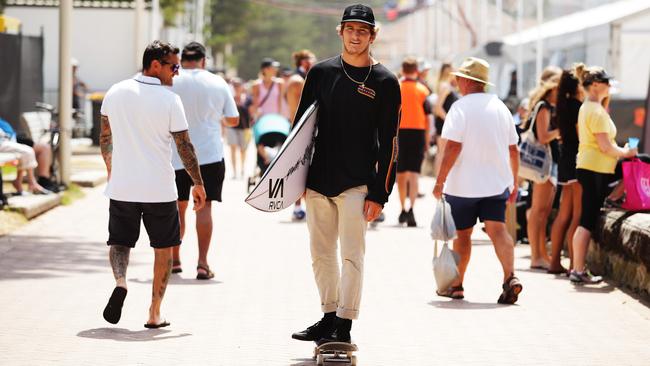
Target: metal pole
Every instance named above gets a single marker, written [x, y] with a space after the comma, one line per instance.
[138, 39]
[540, 50]
[65, 89]
[484, 23]
[200, 20]
[155, 19]
[520, 53]
[499, 18]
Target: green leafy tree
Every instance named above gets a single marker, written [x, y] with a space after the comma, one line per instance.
[276, 28]
[170, 9]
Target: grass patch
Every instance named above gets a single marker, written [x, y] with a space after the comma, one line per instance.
[10, 221]
[72, 194]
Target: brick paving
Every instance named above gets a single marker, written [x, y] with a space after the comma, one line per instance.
[55, 279]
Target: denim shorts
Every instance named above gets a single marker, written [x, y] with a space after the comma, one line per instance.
[465, 210]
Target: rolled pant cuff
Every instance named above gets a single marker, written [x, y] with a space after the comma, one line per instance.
[347, 313]
[328, 308]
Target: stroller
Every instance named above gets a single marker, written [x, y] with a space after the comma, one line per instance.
[269, 132]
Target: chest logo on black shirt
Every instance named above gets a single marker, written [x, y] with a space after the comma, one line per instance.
[364, 90]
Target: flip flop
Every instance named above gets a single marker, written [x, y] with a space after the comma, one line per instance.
[113, 310]
[204, 276]
[450, 293]
[164, 323]
[176, 267]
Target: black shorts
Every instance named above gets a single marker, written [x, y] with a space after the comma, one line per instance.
[595, 188]
[438, 123]
[212, 174]
[411, 150]
[160, 220]
[566, 169]
[465, 210]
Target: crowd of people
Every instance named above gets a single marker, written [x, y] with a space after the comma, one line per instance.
[353, 169]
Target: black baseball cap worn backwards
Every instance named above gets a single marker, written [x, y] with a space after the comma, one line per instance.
[193, 51]
[358, 13]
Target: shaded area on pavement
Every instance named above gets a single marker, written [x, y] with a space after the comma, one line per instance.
[32, 257]
[126, 335]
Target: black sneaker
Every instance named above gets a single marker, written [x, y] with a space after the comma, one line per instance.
[48, 184]
[403, 216]
[340, 334]
[410, 220]
[321, 329]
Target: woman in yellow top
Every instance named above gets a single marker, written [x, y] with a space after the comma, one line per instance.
[597, 157]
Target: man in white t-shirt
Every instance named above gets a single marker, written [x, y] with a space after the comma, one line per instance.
[480, 161]
[206, 98]
[140, 118]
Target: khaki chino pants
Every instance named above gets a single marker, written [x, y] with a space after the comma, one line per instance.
[329, 219]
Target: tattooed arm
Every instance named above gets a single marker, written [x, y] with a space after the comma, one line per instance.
[191, 164]
[106, 143]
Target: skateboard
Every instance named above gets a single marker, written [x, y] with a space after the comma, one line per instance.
[335, 351]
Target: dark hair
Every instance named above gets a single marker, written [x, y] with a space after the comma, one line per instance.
[566, 90]
[157, 50]
[193, 51]
[409, 65]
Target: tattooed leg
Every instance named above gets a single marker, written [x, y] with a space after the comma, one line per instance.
[119, 257]
[161, 272]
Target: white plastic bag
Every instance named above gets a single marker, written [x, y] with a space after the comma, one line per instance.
[442, 225]
[445, 269]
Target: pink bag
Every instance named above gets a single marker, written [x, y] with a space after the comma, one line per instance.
[636, 178]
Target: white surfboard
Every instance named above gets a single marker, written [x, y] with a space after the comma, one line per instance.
[285, 179]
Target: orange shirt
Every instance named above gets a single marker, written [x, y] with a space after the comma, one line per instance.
[414, 94]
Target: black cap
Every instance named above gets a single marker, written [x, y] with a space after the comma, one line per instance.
[267, 61]
[600, 76]
[358, 13]
[193, 51]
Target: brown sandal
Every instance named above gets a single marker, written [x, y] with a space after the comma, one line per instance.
[511, 290]
[451, 291]
[204, 276]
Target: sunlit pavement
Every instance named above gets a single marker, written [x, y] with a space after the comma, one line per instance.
[55, 280]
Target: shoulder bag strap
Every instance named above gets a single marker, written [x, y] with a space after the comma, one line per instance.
[268, 93]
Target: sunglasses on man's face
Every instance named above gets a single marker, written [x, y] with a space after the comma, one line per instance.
[174, 67]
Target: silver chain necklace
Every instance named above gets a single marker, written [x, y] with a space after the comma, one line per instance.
[362, 83]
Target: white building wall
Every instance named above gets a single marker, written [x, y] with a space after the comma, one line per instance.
[102, 41]
[634, 72]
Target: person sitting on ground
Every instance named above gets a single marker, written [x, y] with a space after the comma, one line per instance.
[26, 161]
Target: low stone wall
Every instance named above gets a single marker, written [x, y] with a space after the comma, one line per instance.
[620, 250]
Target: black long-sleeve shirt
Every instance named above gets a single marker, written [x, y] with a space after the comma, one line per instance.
[356, 141]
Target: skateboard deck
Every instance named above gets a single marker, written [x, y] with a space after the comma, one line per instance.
[336, 352]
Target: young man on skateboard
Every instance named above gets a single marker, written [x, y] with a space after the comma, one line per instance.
[140, 119]
[352, 170]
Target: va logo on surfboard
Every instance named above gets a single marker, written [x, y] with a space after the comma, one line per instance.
[285, 179]
[276, 188]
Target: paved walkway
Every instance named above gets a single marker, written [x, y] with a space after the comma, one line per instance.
[55, 280]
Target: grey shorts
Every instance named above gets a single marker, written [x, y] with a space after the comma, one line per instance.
[238, 137]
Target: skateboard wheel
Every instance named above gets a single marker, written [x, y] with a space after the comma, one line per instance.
[353, 360]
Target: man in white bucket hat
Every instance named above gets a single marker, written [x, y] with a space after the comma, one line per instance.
[478, 170]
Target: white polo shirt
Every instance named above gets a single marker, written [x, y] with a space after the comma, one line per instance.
[484, 125]
[142, 114]
[206, 98]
